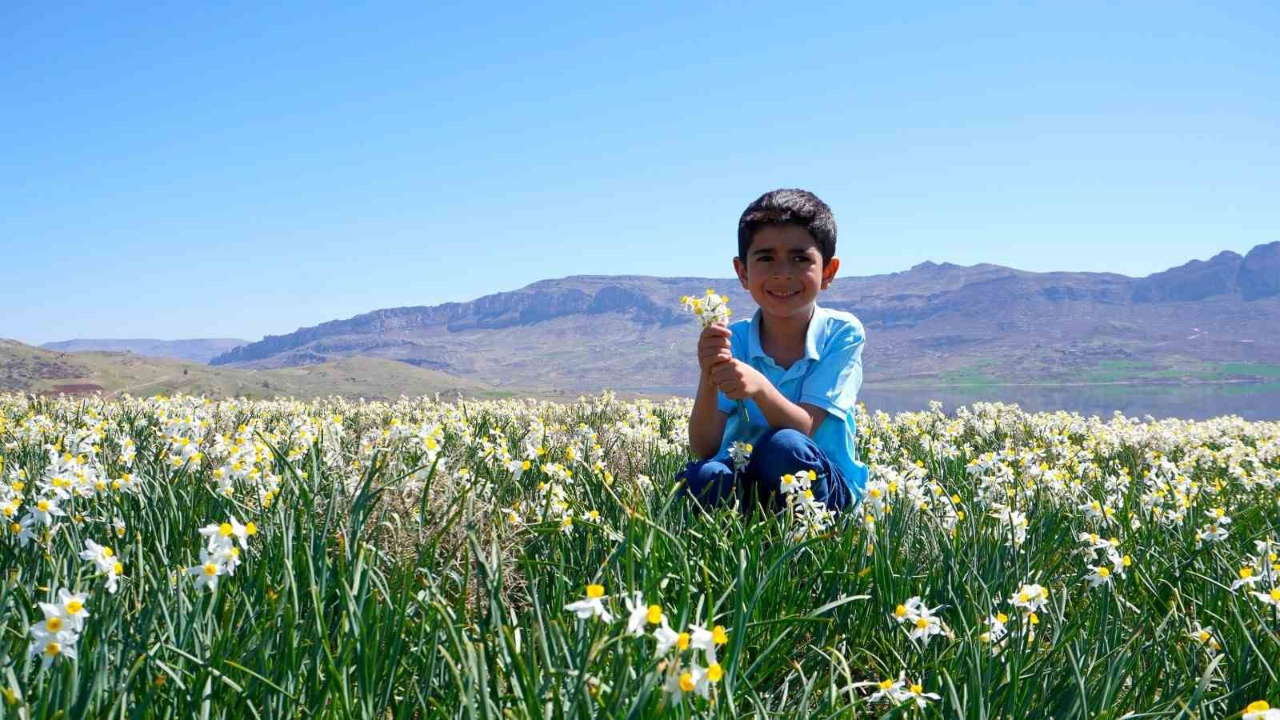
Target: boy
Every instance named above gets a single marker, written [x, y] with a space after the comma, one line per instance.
[797, 366]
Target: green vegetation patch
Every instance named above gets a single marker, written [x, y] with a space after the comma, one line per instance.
[1250, 369]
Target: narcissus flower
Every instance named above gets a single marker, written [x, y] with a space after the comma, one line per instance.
[1260, 710]
[592, 605]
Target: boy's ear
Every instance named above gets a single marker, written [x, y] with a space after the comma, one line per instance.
[829, 271]
[740, 268]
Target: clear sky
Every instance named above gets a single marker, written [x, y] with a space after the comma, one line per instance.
[224, 169]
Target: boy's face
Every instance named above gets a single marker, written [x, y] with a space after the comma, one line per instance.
[783, 270]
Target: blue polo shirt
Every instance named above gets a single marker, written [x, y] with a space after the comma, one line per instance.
[828, 376]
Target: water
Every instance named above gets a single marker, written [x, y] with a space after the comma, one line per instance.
[1257, 401]
[1192, 402]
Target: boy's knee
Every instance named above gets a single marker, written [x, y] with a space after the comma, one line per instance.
[709, 481]
[783, 439]
[783, 448]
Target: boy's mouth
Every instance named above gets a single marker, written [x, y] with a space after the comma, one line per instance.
[782, 295]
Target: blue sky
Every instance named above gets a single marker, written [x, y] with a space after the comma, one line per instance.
[177, 171]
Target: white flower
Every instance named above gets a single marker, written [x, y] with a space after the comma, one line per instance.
[1247, 577]
[592, 605]
[1260, 710]
[1031, 597]
[740, 453]
[45, 510]
[703, 639]
[667, 638]
[101, 556]
[224, 535]
[1271, 598]
[637, 613]
[997, 631]
[72, 607]
[1205, 636]
[1101, 575]
[916, 693]
[207, 572]
[892, 690]
[51, 646]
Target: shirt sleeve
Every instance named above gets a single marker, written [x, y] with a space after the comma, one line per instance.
[834, 382]
[727, 406]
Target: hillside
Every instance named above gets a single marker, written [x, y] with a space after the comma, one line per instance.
[935, 324]
[199, 350]
[31, 369]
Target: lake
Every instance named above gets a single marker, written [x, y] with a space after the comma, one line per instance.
[1259, 401]
[1251, 401]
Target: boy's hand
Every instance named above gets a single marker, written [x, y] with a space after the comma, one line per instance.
[738, 380]
[713, 348]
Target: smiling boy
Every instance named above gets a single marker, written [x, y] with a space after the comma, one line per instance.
[796, 366]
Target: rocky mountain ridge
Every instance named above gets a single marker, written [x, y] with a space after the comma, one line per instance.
[591, 331]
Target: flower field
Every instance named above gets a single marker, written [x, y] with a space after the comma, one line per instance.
[179, 557]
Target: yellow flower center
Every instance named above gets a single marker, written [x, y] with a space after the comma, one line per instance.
[107, 552]
[251, 528]
[1246, 573]
[210, 569]
[686, 682]
[916, 688]
[655, 614]
[1002, 618]
[715, 672]
[118, 568]
[54, 624]
[595, 591]
[1103, 572]
[922, 623]
[1257, 706]
[43, 505]
[718, 635]
[886, 684]
[74, 607]
[225, 530]
[52, 649]
[682, 641]
[900, 611]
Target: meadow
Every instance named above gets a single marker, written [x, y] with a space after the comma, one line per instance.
[179, 556]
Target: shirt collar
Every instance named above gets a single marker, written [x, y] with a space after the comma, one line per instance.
[755, 349]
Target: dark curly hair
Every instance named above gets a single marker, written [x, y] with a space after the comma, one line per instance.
[789, 206]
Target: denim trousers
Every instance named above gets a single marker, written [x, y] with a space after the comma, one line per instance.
[777, 453]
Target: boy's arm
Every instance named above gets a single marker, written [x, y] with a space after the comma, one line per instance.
[706, 424]
[782, 413]
[738, 381]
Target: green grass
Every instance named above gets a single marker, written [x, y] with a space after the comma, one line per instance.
[386, 580]
[1250, 370]
[1110, 371]
[971, 376]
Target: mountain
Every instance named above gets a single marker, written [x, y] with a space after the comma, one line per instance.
[197, 349]
[932, 324]
[37, 370]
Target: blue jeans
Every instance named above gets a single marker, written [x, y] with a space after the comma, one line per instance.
[778, 452]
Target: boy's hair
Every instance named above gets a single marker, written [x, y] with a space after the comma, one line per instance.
[789, 206]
